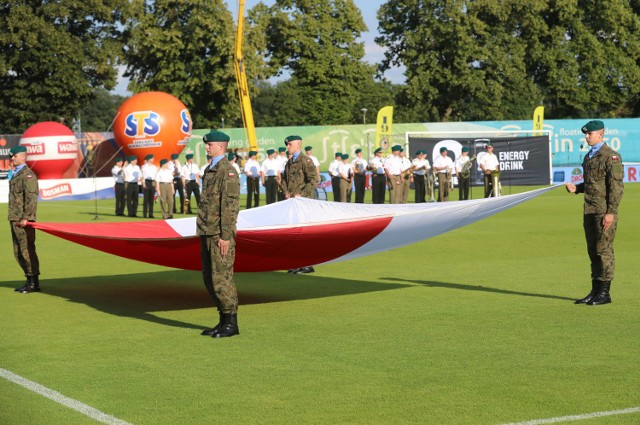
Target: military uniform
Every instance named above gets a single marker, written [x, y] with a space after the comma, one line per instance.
[603, 190]
[301, 177]
[23, 203]
[217, 218]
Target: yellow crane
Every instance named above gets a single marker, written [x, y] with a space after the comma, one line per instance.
[243, 86]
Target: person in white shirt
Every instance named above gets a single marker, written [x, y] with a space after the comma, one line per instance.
[421, 167]
[489, 163]
[463, 182]
[132, 178]
[191, 182]
[443, 165]
[149, 171]
[359, 166]
[252, 170]
[346, 177]
[378, 178]
[393, 170]
[165, 188]
[271, 176]
[118, 177]
[308, 151]
[407, 176]
[335, 176]
[203, 169]
[233, 159]
[175, 168]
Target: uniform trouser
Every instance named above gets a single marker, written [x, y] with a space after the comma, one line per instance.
[271, 189]
[395, 189]
[132, 199]
[193, 188]
[148, 195]
[419, 188]
[600, 246]
[167, 198]
[463, 187]
[359, 181]
[335, 187]
[443, 189]
[24, 248]
[253, 192]
[217, 274]
[378, 188]
[177, 184]
[120, 198]
[488, 185]
[345, 190]
[406, 186]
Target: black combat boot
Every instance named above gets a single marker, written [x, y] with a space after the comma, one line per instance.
[22, 288]
[603, 295]
[229, 326]
[215, 329]
[595, 288]
[33, 285]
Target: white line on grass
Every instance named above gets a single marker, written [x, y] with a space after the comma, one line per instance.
[577, 417]
[59, 398]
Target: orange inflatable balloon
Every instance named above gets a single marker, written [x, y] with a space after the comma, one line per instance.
[152, 123]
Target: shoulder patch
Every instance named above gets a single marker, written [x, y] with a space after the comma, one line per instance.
[232, 174]
[614, 157]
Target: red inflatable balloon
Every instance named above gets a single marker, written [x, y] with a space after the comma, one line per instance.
[51, 149]
[152, 123]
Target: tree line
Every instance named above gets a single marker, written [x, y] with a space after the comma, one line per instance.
[464, 60]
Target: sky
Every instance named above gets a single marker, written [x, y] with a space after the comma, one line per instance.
[373, 53]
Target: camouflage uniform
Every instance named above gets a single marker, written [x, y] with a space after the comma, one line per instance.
[217, 217]
[301, 177]
[23, 203]
[603, 191]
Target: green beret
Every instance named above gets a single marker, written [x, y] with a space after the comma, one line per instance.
[189, 156]
[17, 149]
[420, 153]
[465, 149]
[489, 145]
[132, 158]
[592, 126]
[148, 157]
[377, 150]
[252, 153]
[231, 156]
[270, 151]
[308, 148]
[281, 149]
[401, 149]
[215, 136]
[174, 156]
[443, 149]
[338, 154]
[163, 161]
[291, 139]
[345, 156]
[119, 159]
[358, 151]
[396, 148]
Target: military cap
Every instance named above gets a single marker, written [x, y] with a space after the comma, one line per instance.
[396, 148]
[119, 159]
[592, 126]
[281, 149]
[132, 158]
[270, 151]
[291, 139]
[419, 152]
[377, 150]
[443, 149]
[345, 156]
[465, 149]
[189, 156]
[231, 156]
[174, 156]
[215, 136]
[338, 154]
[252, 153]
[17, 149]
[489, 145]
[401, 149]
[148, 157]
[308, 148]
[358, 151]
[163, 161]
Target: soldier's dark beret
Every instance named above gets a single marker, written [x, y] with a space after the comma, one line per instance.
[291, 139]
[163, 161]
[377, 150]
[592, 126]
[132, 158]
[174, 156]
[252, 153]
[443, 149]
[338, 154]
[358, 151]
[17, 149]
[215, 136]
[465, 149]
[231, 155]
[345, 156]
[189, 156]
[281, 149]
[270, 151]
[308, 148]
[148, 157]
[396, 148]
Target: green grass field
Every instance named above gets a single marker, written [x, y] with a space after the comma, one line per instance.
[476, 326]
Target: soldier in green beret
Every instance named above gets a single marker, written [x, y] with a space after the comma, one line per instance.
[176, 168]
[23, 203]
[603, 188]
[270, 176]
[378, 177]
[190, 175]
[346, 178]
[132, 179]
[149, 171]
[253, 172]
[216, 226]
[165, 189]
[300, 178]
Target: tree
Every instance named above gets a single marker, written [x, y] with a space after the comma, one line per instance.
[99, 113]
[52, 54]
[186, 49]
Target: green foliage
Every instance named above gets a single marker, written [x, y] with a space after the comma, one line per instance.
[494, 60]
[98, 115]
[52, 55]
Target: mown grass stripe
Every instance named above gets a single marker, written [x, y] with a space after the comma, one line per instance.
[577, 417]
